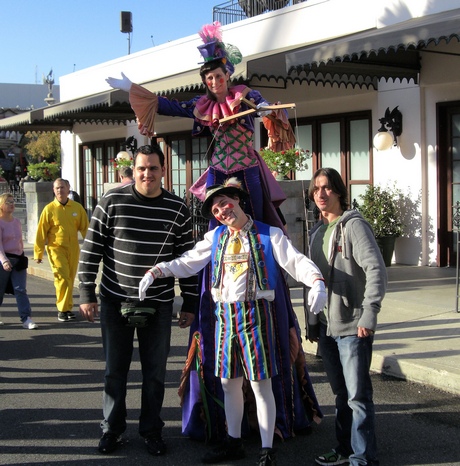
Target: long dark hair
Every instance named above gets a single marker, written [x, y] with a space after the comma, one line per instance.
[335, 183]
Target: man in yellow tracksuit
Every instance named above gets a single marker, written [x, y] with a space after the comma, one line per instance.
[58, 227]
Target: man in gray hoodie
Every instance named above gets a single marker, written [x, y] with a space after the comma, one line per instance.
[343, 246]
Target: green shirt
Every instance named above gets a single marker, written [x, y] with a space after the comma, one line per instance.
[320, 251]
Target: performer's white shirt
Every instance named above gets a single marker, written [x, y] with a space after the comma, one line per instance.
[286, 255]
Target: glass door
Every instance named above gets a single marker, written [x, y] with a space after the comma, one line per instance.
[448, 169]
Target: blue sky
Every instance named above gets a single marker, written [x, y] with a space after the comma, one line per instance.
[68, 35]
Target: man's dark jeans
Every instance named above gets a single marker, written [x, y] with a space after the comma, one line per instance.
[118, 341]
[347, 362]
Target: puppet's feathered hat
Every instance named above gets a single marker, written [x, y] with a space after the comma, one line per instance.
[214, 49]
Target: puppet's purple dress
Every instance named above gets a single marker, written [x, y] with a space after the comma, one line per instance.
[203, 415]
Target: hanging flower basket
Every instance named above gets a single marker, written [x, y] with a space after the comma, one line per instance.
[122, 162]
[285, 161]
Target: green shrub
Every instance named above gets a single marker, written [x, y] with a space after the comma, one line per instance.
[382, 209]
[45, 171]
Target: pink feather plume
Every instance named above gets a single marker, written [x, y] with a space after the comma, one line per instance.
[211, 32]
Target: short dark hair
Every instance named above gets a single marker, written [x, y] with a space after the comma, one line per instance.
[149, 149]
[335, 183]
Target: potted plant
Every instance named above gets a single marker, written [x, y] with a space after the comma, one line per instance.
[282, 162]
[122, 162]
[43, 171]
[381, 207]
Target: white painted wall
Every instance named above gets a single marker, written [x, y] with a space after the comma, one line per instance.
[271, 31]
[402, 165]
[412, 163]
[396, 11]
[306, 23]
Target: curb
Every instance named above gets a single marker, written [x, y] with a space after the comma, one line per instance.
[393, 366]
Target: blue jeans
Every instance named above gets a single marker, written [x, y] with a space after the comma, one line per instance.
[18, 280]
[118, 342]
[347, 362]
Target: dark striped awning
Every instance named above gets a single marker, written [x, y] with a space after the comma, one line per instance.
[107, 107]
[389, 52]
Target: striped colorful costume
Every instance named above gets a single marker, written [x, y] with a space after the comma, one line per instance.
[244, 337]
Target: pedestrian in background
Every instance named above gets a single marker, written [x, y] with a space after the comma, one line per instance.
[247, 260]
[133, 227]
[343, 246]
[126, 175]
[57, 232]
[13, 273]
[75, 196]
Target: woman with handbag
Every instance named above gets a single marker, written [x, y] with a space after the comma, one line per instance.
[13, 273]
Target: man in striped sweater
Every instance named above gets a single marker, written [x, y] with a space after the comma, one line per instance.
[133, 227]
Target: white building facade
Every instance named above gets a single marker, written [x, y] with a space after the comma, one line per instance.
[342, 63]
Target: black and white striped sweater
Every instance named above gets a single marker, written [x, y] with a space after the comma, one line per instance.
[130, 233]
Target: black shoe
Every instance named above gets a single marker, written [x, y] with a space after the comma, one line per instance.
[267, 457]
[66, 316]
[155, 444]
[109, 442]
[231, 449]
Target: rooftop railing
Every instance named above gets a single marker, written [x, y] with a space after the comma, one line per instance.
[237, 10]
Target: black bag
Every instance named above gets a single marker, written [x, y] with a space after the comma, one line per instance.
[137, 316]
[22, 263]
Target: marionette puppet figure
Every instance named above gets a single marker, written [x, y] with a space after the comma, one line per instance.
[203, 415]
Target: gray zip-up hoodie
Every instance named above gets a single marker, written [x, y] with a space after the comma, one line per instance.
[358, 278]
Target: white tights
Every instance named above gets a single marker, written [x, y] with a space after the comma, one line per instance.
[234, 408]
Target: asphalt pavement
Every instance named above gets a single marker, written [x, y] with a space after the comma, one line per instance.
[418, 335]
[51, 382]
[51, 400]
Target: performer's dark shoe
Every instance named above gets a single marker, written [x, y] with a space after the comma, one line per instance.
[230, 449]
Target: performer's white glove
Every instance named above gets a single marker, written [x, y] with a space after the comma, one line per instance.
[317, 297]
[123, 84]
[144, 284]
